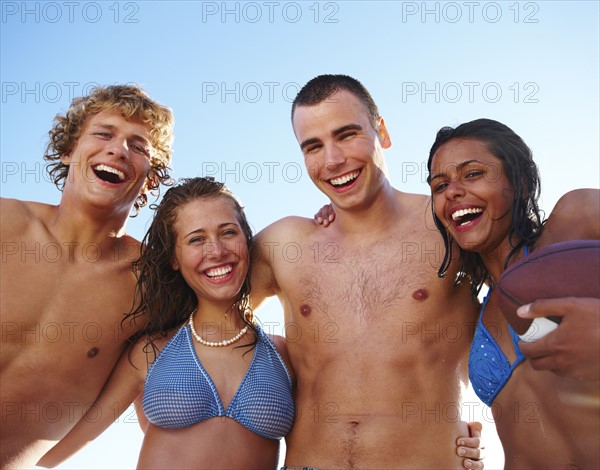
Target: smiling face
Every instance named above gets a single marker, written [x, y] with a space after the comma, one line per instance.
[211, 251]
[342, 152]
[111, 160]
[472, 195]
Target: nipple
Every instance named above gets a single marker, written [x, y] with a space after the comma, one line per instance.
[305, 310]
[93, 352]
[420, 294]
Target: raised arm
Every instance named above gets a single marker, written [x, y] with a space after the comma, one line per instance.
[269, 244]
[124, 384]
[573, 348]
[576, 216]
[263, 278]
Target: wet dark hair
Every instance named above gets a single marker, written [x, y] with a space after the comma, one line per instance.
[521, 171]
[162, 295]
[322, 87]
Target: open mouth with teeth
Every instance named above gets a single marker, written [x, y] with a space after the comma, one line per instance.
[219, 273]
[464, 216]
[344, 180]
[109, 174]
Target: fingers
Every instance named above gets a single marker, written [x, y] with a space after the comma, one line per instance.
[571, 349]
[539, 308]
[551, 307]
[324, 221]
[325, 216]
[470, 447]
[535, 349]
[472, 456]
[470, 443]
[473, 464]
[546, 363]
[470, 451]
[475, 429]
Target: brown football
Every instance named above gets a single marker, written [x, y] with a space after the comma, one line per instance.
[566, 269]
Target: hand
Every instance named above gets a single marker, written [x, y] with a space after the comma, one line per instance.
[573, 349]
[325, 216]
[470, 447]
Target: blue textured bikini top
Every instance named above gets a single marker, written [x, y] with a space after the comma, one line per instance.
[489, 369]
[179, 392]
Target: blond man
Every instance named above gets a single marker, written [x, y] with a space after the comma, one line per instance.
[66, 277]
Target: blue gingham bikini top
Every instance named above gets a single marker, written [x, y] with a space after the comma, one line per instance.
[179, 392]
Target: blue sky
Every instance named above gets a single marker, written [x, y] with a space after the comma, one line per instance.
[229, 71]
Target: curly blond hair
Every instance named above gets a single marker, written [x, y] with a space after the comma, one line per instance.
[133, 103]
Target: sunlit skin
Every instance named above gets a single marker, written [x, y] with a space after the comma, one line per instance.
[209, 241]
[339, 142]
[357, 300]
[466, 176]
[543, 420]
[209, 238]
[211, 251]
[65, 289]
[122, 145]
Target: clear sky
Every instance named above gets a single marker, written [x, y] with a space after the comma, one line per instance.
[229, 71]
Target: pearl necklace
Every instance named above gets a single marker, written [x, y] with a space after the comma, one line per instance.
[219, 344]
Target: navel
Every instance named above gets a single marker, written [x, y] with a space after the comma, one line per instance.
[93, 352]
[420, 294]
[305, 310]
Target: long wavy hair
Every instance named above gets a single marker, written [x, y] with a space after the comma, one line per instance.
[162, 296]
[521, 171]
[134, 104]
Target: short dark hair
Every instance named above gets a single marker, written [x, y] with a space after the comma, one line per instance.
[322, 87]
[521, 171]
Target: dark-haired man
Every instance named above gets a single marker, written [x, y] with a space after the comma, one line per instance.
[380, 344]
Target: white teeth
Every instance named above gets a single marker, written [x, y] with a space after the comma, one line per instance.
[110, 169]
[472, 210]
[218, 272]
[345, 178]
